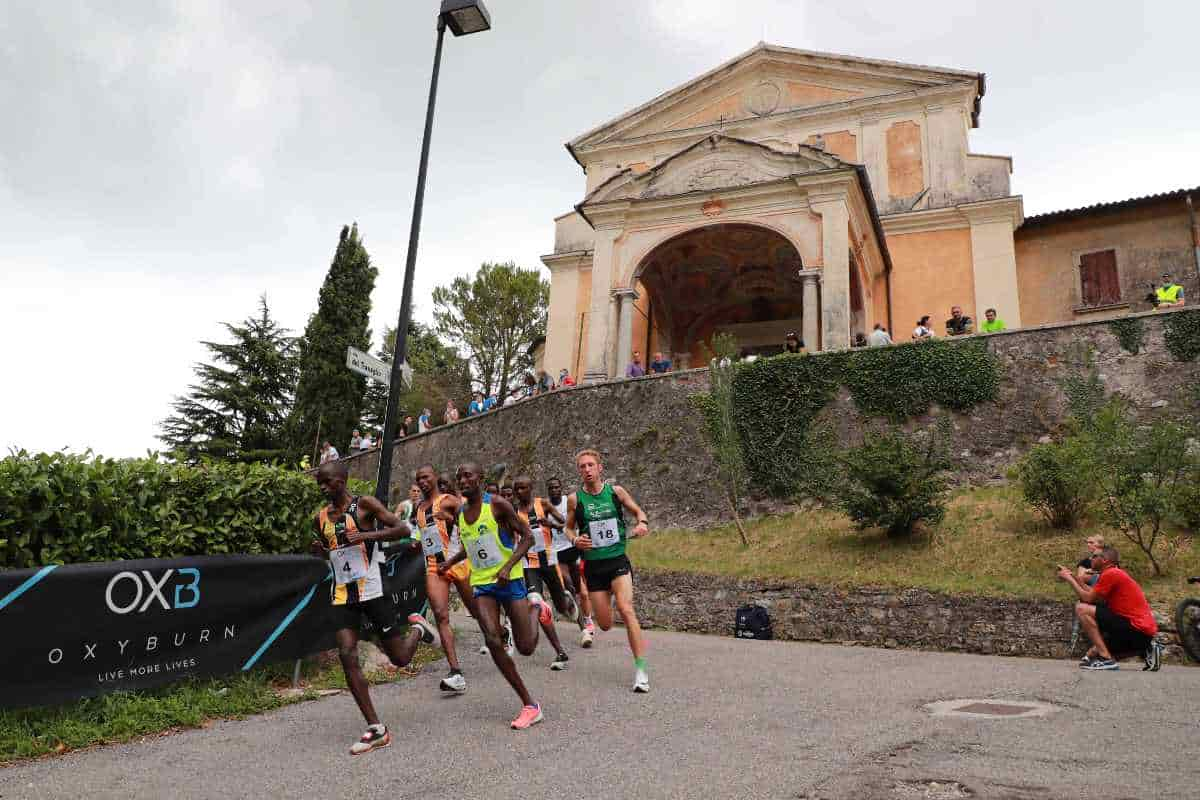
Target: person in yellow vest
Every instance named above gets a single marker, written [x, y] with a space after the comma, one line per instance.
[1170, 294]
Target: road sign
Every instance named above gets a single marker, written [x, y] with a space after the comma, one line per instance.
[375, 369]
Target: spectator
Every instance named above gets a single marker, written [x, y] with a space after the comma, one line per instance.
[476, 406]
[329, 453]
[958, 324]
[922, 331]
[365, 443]
[1114, 614]
[425, 421]
[991, 324]
[355, 441]
[660, 365]
[860, 340]
[544, 384]
[407, 510]
[878, 337]
[793, 343]
[1084, 570]
[530, 388]
[410, 427]
[1169, 294]
[451, 412]
[510, 399]
[490, 402]
[635, 368]
[565, 379]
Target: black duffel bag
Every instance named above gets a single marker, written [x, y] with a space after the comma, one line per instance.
[753, 622]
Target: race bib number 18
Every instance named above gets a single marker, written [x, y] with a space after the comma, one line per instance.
[604, 533]
[349, 564]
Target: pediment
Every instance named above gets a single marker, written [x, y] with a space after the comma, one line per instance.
[769, 80]
[714, 163]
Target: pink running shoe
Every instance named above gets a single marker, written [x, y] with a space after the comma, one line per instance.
[529, 716]
[545, 615]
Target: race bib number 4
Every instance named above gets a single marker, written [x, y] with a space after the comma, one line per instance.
[431, 541]
[604, 533]
[349, 564]
[485, 552]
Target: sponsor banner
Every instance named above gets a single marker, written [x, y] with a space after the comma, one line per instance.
[80, 630]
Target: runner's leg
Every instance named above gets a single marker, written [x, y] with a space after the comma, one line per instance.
[493, 635]
[524, 618]
[438, 592]
[622, 589]
[400, 649]
[553, 584]
[347, 642]
[602, 608]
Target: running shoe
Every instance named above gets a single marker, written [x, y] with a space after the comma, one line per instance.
[1103, 664]
[587, 635]
[377, 736]
[1153, 656]
[530, 715]
[429, 634]
[509, 647]
[1083, 662]
[483, 651]
[455, 682]
[641, 681]
[573, 612]
[560, 662]
[545, 615]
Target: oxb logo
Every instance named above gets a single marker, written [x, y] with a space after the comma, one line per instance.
[129, 592]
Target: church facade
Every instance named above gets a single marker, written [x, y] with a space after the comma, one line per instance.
[788, 190]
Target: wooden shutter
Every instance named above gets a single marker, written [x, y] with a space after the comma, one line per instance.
[1098, 280]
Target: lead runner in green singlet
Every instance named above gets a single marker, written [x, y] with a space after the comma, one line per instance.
[596, 525]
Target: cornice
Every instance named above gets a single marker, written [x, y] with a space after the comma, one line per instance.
[1010, 208]
[575, 259]
[964, 215]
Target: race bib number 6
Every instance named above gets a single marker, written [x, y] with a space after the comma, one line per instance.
[604, 533]
[349, 564]
[485, 552]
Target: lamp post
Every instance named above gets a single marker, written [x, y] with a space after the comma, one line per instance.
[462, 17]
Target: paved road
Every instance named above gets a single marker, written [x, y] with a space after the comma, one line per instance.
[726, 719]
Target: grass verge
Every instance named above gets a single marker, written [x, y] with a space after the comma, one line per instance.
[123, 716]
[990, 543]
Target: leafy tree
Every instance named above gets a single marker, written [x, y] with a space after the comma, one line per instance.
[329, 397]
[1058, 480]
[720, 425]
[494, 318]
[237, 409]
[439, 374]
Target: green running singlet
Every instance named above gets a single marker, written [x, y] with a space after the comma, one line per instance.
[602, 518]
[484, 545]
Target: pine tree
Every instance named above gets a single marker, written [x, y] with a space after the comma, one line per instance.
[439, 374]
[494, 319]
[237, 409]
[329, 397]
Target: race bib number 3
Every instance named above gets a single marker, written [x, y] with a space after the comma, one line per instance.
[431, 541]
[604, 533]
[349, 564]
[485, 552]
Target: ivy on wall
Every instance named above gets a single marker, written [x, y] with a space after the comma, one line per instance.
[1130, 332]
[777, 400]
[1182, 334]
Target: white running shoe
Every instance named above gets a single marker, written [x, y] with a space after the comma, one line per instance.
[573, 611]
[509, 647]
[641, 681]
[429, 634]
[587, 635]
[455, 682]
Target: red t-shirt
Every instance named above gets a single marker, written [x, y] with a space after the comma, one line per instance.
[1125, 598]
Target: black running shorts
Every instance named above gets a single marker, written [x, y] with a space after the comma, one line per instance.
[1120, 636]
[538, 578]
[569, 557]
[600, 574]
[379, 613]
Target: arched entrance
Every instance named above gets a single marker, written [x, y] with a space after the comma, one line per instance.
[733, 277]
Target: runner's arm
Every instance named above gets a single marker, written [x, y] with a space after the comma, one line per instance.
[446, 565]
[395, 529]
[552, 516]
[317, 546]
[643, 523]
[505, 515]
[573, 536]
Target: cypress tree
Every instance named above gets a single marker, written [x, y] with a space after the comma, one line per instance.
[329, 397]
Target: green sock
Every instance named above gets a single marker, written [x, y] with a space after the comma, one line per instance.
[640, 663]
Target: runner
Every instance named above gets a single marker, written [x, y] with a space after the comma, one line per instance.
[506, 491]
[349, 534]
[596, 524]
[485, 532]
[492, 489]
[435, 515]
[541, 566]
[570, 568]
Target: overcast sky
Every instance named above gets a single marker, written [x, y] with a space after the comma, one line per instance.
[162, 164]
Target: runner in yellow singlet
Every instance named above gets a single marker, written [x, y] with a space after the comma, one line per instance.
[348, 534]
[495, 538]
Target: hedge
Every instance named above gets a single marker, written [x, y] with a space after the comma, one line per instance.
[57, 508]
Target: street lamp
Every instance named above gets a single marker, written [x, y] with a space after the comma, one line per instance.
[462, 17]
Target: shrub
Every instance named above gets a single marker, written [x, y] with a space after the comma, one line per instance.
[59, 508]
[1058, 480]
[893, 482]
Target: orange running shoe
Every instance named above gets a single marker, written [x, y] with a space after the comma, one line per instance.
[545, 615]
[529, 716]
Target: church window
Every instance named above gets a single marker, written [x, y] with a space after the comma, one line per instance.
[1099, 283]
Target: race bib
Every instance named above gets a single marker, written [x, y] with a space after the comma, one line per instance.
[604, 533]
[431, 541]
[560, 540]
[349, 564]
[485, 552]
[539, 541]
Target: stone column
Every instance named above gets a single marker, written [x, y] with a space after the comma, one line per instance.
[625, 299]
[598, 337]
[835, 276]
[811, 308]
